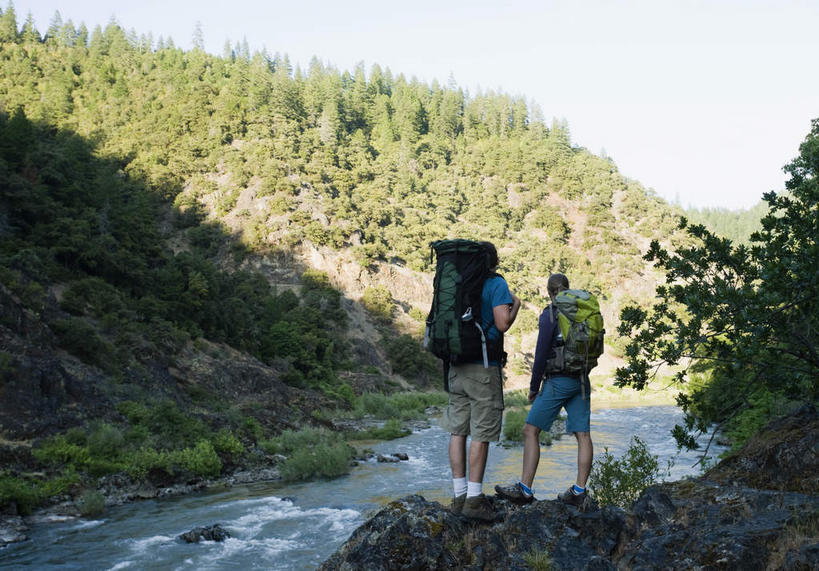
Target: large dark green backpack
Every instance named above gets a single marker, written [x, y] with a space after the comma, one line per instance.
[453, 332]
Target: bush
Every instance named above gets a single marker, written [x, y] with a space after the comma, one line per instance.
[513, 425]
[539, 560]
[620, 481]
[28, 493]
[378, 301]
[391, 430]
[292, 440]
[225, 443]
[323, 461]
[146, 460]
[105, 441]
[518, 398]
[377, 405]
[201, 460]
[79, 338]
[19, 492]
[404, 405]
[59, 451]
[91, 503]
[408, 358]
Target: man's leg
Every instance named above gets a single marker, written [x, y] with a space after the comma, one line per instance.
[531, 453]
[478, 453]
[585, 451]
[457, 455]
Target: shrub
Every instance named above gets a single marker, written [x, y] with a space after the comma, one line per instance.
[201, 460]
[513, 425]
[79, 338]
[59, 451]
[169, 426]
[408, 358]
[105, 441]
[147, 459]
[251, 428]
[539, 560]
[404, 405]
[292, 440]
[620, 481]
[20, 492]
[324, 460]
[413, 404]
[28, 493]
[377, 405]
[518, 398]
[391, 430]
[224, 442]
[378, 301]
[91, 503]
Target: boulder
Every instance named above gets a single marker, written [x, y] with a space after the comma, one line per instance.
[12, 529]
[210, 533]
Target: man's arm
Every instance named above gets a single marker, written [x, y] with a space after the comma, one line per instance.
[505, 314]
[546, 330]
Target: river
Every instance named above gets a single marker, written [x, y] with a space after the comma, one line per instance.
[297, 526]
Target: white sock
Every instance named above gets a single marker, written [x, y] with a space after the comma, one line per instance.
[474, 489]
[459, 485]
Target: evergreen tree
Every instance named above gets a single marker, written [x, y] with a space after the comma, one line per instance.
[8, 25]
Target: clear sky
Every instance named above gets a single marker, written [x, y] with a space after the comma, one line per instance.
[702, 101]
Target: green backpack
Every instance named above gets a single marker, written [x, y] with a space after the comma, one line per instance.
[453, 330]
[580, 327]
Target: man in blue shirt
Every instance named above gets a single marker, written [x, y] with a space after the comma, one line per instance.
[476, 401]
[559, 390]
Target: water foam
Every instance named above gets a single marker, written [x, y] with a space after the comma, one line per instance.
[276, 509]
[141, 546]
[89, 524]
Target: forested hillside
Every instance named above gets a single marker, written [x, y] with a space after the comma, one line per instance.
[371, 164]
[737, 226]
[240, 245]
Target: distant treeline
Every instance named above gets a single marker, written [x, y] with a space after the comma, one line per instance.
[736, 225]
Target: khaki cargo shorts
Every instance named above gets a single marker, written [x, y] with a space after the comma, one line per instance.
[475, 402]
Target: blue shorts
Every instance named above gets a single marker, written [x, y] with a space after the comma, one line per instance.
[557, 393]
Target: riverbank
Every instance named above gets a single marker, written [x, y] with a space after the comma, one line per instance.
[120, 489]
[296, 525]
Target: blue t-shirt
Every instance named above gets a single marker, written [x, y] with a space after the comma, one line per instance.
[495, 292]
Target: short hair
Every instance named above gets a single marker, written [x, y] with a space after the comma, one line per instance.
[557, 283]
[493, 253]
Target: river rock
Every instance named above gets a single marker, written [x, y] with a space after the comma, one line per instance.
[12, 529]
[391, 458]
[210, 533]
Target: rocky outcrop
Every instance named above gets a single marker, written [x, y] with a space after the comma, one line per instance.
[686, 525]
[42, 389]
[714, 522]
[209, 533]
[767, 462]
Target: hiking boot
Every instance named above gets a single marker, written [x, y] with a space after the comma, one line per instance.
[572, 499]
[514, 493]
[457, 504]
[478, 507]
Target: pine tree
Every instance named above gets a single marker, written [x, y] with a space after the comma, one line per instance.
[8, 25]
